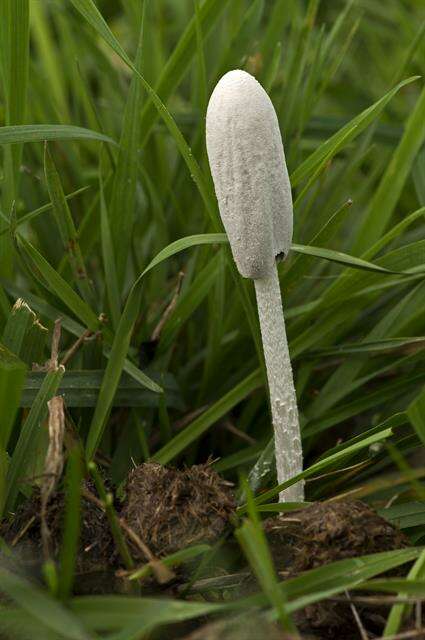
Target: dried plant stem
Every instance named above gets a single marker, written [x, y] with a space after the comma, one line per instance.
[281, 386]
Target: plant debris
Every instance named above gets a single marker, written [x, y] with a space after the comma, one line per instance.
[171, 509]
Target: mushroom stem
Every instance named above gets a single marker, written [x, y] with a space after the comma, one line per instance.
[283, 400]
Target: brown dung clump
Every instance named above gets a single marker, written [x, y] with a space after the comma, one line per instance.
[323, 533]
[171, 509]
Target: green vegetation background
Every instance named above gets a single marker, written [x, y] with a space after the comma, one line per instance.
[119, 90]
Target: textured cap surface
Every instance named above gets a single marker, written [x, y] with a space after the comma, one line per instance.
[248, 167]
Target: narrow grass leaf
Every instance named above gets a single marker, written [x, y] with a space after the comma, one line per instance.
[388, 193]
[340, 258]
[40, 210]
[207, 419]
[114, 368]
[416, 414]
[41, 132]
[400, 611]
[108, 255]
[326, 462]
[71, 523]
[15, 40]
[252, 539]
[61, 288]
[67, 230]
[33, 600]
[345, 135]
[123, 195]
[389, 344]
[12, 378]
[23, 449]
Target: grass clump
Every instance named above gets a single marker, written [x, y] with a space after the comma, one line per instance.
[118, 293]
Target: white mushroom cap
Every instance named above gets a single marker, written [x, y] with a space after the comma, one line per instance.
[248, 167]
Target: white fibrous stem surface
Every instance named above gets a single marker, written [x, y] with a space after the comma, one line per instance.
[288, 448]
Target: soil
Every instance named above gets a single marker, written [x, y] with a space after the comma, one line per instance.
[96, 553]
[171, 509]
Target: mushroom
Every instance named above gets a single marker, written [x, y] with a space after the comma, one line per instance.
[251, 181]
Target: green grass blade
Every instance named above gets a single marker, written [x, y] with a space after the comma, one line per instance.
[252, 539]
[114, 368]
[41, 132]
[47, 207]
[326, 462]
[44, 40]
[90, 12]
[388, 193]
[207, 419]
[341, 258]
[185, 243]
[42, 607]
[67, 228]
[399, 611]
[345, 135]
[12, 378]
[30, 428]
[71, 524]
[123, 196]
[61, 287]
[416, 413]
[108, 255]
[14, 40]
[179, 61]
[202, 71]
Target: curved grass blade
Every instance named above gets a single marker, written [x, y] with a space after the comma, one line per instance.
[207, 419]
[389, 190]
[123, 194]
[108, 255]
[41, 132]
[12, 378]
[388, 344]
[47, 207]
[61, 287]
[91, 13]
[345, 135]
[325, 463]
[67, 228]
[399, 611]
[342, 258]
[42, 607]
[186, 243]
[14, 60]
[253, 541]
[31, 426]
[72, 523]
